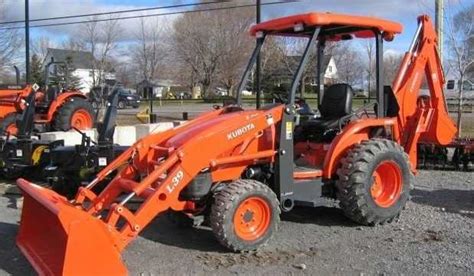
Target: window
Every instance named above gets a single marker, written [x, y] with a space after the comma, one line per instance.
[450, 84]
[467, 86]
[330, 69]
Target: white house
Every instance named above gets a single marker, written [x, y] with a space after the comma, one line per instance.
[81, 63]
[330, 72]
[283, 75]
[451, 89]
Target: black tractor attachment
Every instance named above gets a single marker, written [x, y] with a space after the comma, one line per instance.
[23, 155]
[71, 166]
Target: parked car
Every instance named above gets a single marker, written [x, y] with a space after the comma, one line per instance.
[127, 99]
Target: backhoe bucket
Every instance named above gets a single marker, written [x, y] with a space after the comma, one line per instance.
[60, 239]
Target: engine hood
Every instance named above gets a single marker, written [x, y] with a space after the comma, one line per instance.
[208, 128]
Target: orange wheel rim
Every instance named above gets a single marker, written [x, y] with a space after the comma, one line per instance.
[12, 129]
[252, 218]
[81, 119]
[387, 185]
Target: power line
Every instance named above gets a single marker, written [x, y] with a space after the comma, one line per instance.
[152, 15]
[114, 12]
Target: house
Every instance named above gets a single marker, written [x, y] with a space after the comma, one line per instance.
[330, 71]
[81, 65]
[451, 89]
[143, 86]
[284, 76]
[163, 88]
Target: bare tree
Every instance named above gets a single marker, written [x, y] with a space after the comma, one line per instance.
[73, 43]
[101, 39]
[391, 63]
[210, 47]
[237, 47]
[40, 47]
[149, 50]
[271, 53]
[349, 62]
[288, 56]
[460, 39]
[273, 59]
[10, 43]
[124, 73]
[369, 49]
[285, 55]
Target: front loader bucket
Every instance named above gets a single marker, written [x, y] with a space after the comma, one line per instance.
[60, 239]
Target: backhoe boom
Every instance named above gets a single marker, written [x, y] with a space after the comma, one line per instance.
[422, 117]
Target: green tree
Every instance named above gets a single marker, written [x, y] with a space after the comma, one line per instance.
[37, 73]
[65, 72]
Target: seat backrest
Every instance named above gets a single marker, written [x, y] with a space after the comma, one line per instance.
[337, 101]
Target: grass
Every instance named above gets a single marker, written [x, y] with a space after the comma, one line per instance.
[357, 102]
[467, 122]
[467, 126]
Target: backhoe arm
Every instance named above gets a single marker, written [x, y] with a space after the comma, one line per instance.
[422, 117]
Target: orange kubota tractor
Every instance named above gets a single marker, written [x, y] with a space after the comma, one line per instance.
[241, 168]
[55, 109]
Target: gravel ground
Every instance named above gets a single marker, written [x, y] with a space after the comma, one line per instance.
[434, 236]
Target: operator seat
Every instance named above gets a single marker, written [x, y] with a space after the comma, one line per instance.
[336, 103]
[49, 96]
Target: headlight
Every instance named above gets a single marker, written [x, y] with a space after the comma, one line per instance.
[129, 98]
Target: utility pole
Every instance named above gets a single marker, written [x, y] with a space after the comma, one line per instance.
[27, 40]
[439, 12]
[258, 84]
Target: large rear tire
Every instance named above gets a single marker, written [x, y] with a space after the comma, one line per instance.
[244, 215]
[76, 113]
[374, 182]
[8, 124]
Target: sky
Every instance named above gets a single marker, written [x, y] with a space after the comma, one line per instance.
[402, 11]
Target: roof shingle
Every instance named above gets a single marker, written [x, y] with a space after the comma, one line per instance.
[79, 59]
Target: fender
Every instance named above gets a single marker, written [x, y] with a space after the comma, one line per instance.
[352, 134]
[60, 100]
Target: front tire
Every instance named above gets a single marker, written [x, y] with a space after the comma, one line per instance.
[244, 215]
[374, 182]
[76, 113]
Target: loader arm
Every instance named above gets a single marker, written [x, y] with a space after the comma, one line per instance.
[174, 160]
[424, 118]
[156, 169]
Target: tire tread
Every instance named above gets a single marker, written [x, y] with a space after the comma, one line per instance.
[351, 180]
